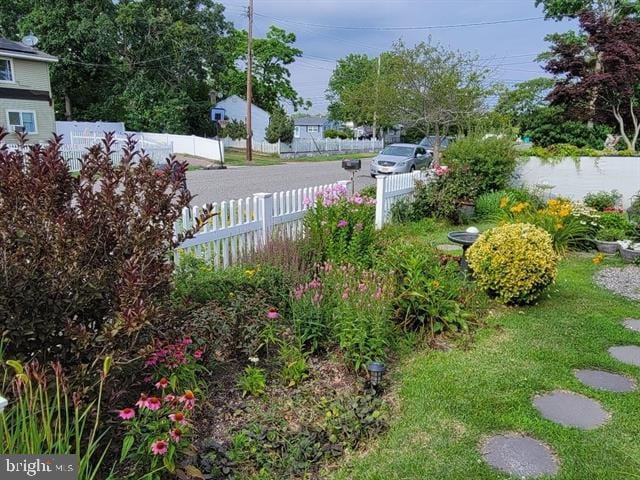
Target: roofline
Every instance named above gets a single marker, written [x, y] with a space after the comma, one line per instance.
[26, 56]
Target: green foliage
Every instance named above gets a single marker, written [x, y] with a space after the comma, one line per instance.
[634, 209]
[514, 262]
[340, 229]
[43, 418]
[235, 129]
[603, 200]
[280, 128]
[294, 364]
[350, 74]
[547, 126]
[330, 133]
[564, 150]
[611, 234]
[616, 220]
[489, 206]
[430, 290]
[252, 381]
[490, 161]
[369, 191]
[524, 98]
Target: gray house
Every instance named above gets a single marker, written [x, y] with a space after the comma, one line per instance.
[236, 109]
[310, 127]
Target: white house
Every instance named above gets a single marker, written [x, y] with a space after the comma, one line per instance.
[236, 109]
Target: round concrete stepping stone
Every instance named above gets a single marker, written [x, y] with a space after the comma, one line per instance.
[632, 324]
[448, 247]
[519, 455]
[629, 354]
[611, 382]
[571, 410]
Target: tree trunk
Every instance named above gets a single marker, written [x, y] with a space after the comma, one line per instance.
[67, 107]
[623, 133]
[436, 145]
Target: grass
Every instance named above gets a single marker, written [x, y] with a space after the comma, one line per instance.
[449, 402]
[234, 157]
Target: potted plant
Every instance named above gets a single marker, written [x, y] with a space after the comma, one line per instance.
[629, 250]
[607, 239]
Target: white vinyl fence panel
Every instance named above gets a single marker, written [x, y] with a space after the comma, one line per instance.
[243, 226]
[187, 144]
[305, 146]
[390, 189]
[258, 146]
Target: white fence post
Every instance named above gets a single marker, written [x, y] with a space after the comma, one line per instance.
[265, 215]
[381, 183]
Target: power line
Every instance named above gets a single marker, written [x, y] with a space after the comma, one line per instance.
[379, 28]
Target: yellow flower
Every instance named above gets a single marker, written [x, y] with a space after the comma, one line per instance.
[519, 207]
[597, 260]
[435, 284]
[249, 273]
[504, 201]
[559, 226]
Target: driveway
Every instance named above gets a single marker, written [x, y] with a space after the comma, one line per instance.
[210, 186]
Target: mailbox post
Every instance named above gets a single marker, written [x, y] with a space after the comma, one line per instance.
[353, 166]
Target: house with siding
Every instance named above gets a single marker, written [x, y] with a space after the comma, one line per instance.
[235, 108]
[310, 127]
[26, 104]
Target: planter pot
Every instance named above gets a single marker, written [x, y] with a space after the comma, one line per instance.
[607, 247]
[466, 211]
[628, 255]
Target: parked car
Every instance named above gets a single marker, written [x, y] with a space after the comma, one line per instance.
[400, 158]
[428, 143]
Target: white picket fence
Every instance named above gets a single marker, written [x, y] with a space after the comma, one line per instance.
[245, 225]
[304, 146]
[242, 226]
[390, 189]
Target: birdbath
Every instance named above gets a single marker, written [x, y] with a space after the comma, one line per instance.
[466, 239]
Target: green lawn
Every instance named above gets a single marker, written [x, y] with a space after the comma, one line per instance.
[237, 158]
[448, 402]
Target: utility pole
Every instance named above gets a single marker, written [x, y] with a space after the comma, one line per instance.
[249, 143]
[375, 112]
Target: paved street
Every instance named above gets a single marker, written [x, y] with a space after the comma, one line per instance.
[239, 182]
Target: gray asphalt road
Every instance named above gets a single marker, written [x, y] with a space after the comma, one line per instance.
[240, 182]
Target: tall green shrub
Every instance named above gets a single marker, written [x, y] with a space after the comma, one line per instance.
[280, 128]
[490, 161]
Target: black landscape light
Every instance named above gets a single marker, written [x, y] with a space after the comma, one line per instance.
[376, 371]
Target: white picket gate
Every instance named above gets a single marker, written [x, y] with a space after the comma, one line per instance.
[390, 189]
[242, 226]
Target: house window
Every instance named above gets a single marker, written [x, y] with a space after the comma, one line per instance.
[6, 70]
[22, 120]
[296, 132]
[313, 129]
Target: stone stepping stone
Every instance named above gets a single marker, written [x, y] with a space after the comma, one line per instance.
[519, 455]
[448, 247]
[632, 324]
[571, 410]
[629, 354]
[611, 382]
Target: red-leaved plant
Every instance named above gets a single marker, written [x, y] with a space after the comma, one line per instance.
[85, 259]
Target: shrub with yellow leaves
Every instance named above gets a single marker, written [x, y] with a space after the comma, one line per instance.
[514, 262]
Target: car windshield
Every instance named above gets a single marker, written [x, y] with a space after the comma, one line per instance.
[430, 141]
[397, 151]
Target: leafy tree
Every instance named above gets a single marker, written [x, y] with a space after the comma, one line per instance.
[271, 77]
[524, 98]
[609, 90]
[434, 89]
[280, 128]
[235, 129]
[559, 9]
[350, 73]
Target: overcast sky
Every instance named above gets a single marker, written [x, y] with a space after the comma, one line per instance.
[330, 29]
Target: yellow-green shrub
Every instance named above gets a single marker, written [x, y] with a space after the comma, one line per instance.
[514, 262]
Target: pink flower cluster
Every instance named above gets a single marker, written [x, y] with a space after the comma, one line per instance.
[172, 355]
[328, 196]
[315, 289]
[358, 199]
[441, 170]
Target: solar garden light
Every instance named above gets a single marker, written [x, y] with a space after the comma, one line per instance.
[3, 403]
[376, 371]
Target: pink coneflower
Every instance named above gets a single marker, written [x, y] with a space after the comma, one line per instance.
[178, 417]
[154, 403]
[142, 402]
[342, 223]
[159, 447]
[162, 383]
[198, 354]
[345, 294]
[127, 413]
[187, 341]
[273, 313]
[175, 434]
[169, 398]
[188, 399]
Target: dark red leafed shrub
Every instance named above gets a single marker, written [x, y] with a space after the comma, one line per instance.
[85, 260]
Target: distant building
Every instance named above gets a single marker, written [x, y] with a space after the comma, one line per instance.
[235, 108]
[26, 104]
[311, 127]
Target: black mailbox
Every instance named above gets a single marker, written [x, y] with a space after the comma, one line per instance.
[352, 164]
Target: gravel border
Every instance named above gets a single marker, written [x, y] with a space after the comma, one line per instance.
[624, 281]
